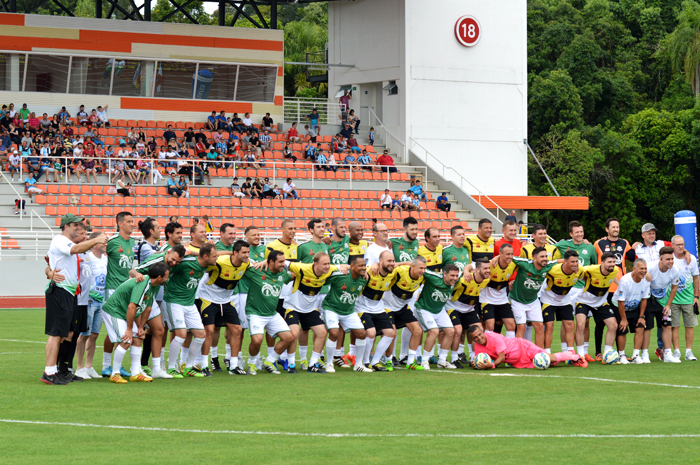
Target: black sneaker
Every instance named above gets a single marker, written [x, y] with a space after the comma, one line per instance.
[227, 362]
[215, 363]
[457, 364]
[378, 367]
[323, 360]
[339, 362]
[316, 368]
[463, 359]
[69, 377]
[206, 372]
[53, 379]
[404, 361]
[394, 361]
[237, 371]
[292, 369]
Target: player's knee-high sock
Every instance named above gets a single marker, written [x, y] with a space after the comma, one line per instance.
[175, 346]
[315, 357]
[62, 357]
[119, 354]
[498, 327]
[564, 356]
[70, 351]
[302, 352]
[528, 333]
[184, 353]
[228, 351]
[145, 355]
[106, 360]
[330, 350]
[381, 348]
[360, 346]
[442, 355]
[135, 353]
[599, 328]
[405, 339]
[411, 357]
[352, 350]
[194, 351]
[368, 350]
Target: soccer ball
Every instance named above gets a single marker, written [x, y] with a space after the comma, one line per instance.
[541, 361]
[610, 357]
[482, 358]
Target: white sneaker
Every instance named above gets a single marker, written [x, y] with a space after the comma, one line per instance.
[426, 365]
[645, 358]
[83, 373]
[329, 367]
[637, 360]
[677, 354]
[447, 365]
[362, 368]
[670, 358]
[91, 371]
[689, 357]
[623, 360]
[161, 374]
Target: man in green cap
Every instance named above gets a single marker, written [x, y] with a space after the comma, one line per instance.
[61, 295]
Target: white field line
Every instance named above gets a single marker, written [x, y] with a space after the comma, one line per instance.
[28, 342]
[351, 435]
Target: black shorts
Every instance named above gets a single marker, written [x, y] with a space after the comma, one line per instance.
[291, 317]
[497, 312]
[380, 321]
[308, 320]
[281, 310]
[560, 312]
[402, 317]
[655, 312]
[465, 319]
[61, 310]
[218, 315]
[79, 322]
[632, 322]
[600, 314]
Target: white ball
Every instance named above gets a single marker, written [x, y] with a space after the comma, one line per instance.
[482, 358]
[541, 361]
[610, 357]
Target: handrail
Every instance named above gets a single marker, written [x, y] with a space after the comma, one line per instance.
[31, 223]
[19, 196]
[404, 158]
[462, 179]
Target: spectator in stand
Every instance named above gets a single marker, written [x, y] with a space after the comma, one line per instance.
[442, 203]
[236, 189]
[14, 165]
[309, 151]
[352, 143]
[82, 116]
[313, 119]
[396, 203]
[5, 139]
[89, 166]
[44, 122]
[247, 187]
[321, 161]
[120, 168]
[386, 162]
[30, 187]
[345, 101]
[173, 187]
[33, 124]
[20, 204]
[253, 162]
[245, 140]
[24, 113]
[237, 123]
[255, 144]
[219, 136]
[123, 188]
[267, 190]
[184, 185]
[189, 138]
[221, 120]
[365, 160]
[63, 117]
[292, 134]
[510, 217]
[290, 189]
[350, 160]
[211, 121]
[248, 124]
[94, 120]
[268, 124]
[354, 121]
[257, 189]
[417, 190]
[385, 200]
[287, 152]
[341, 143]
[416, 203]
[310, 134]
[97, 140]
[102, 115]
[332, 163]
[169, 134]
[346, 132]
[407, 201]
[266, 142]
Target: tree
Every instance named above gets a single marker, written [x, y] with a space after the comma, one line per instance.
[558, 104]
[683, 45]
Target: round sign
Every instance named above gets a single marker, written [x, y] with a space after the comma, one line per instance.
[468, 30]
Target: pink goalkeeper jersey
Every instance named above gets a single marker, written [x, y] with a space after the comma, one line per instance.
[519, 352]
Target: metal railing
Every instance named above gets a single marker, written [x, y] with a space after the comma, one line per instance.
[462, 180]
[389, 136]
[19, 196]
[296, 110]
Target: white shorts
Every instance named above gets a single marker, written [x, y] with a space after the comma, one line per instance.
[34, 190]
[239, 302]
[432, 321]
[117, 327]
[333, 320]
[182, 316]
[155, 311]
[273, 325]
[527, 312]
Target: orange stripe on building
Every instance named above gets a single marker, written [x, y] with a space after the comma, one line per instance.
[526, 202]
[200, 106]
[28, 44]
[280, 71]
[130, 38]
[10, 19]
[279, 100]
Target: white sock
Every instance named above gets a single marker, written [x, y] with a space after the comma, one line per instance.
[353, 349]
[233, 363]
[438, 348]
[426, 355]
[184, 353]
[454, 356]
[621, 353]
[291, 358]
[668, 352]
[272, 349]
[645, 352]
[585, 347]
[204, 362]
[461, 349]
[528, 333]
[214, 352]
[549, 351]
[51, 370]
[194, 351]
[272, 357]
[411, 356]
[175, 346]
[471, 349]
[510, 334]
[252, 359]
[339, 352]
[359, 348]
[405, 340]
[381, 348]
[688, 351]
[635, 353]
[106, 360]
[419, 349]
[283, 356]
[330, 350]
[199, 359]
[368, 350]
[393, 351]
[564, 347]
[302, 352]
[156, 363]
[135, 353]
[442, 355]
[228, 351]
[607, 348]
[315, 357]
[119, 354]
[581, 350]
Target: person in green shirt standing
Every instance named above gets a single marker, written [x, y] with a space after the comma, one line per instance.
[685, 300]
[340, 243]
[264, 289]
[125, 313]
[120, 259]
[456, 253]
[523, 296]
[405, 248]
[430, 312]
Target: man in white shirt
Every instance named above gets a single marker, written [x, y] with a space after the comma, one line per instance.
[664, 285]
[248, 123]
[102, 115]
[385, 200]
[381, 243]
[289, 188]
[630, 304]
[685, 303]
[61, 295]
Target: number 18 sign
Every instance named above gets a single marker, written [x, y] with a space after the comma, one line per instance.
[468, 31]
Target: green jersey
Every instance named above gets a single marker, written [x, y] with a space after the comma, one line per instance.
[257, 254]
[404, 251]
[458, 256]
[120, 258]
[306, 253]
[264, 289]
[340, 251]
[685, 295]
[181, 286]
[165, 247]
[220, 246]
[435, 293]
[529, 280]
[127, 293]
[587, 255]
[342, 293]
[143, 267]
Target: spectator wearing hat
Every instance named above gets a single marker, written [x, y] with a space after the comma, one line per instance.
[443, 204]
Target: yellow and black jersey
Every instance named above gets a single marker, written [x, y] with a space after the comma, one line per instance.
[552, 251]
[467, 293]
[358, 249]
[500, 276]
[433, 258]
[559, 284]
[403, 285]
[193, 249]
[223, 279]
[378, 284]
[597, 284]
[289, 250]
[479, 248]
[306, 281]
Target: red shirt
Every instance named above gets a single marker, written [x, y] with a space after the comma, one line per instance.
[292, 133]
[385, 160]
[517, 245]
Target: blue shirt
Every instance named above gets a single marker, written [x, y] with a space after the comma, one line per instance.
[211, 119]
[365, 159]
[221, 119]
[321, 159]
[441, 198]
[349, 159]
[172, 182]
[313, 118]
[417, 189]
[31, 181]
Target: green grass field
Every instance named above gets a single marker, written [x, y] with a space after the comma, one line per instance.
[347, 417]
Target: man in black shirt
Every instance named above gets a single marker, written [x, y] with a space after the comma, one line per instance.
[346, 132]
[268, 123]
[237, 123]
[189, 138]
[169, 134]
[254, 144]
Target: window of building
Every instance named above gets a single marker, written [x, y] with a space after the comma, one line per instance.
[12, 71]
[47, 73]
[256, 84]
